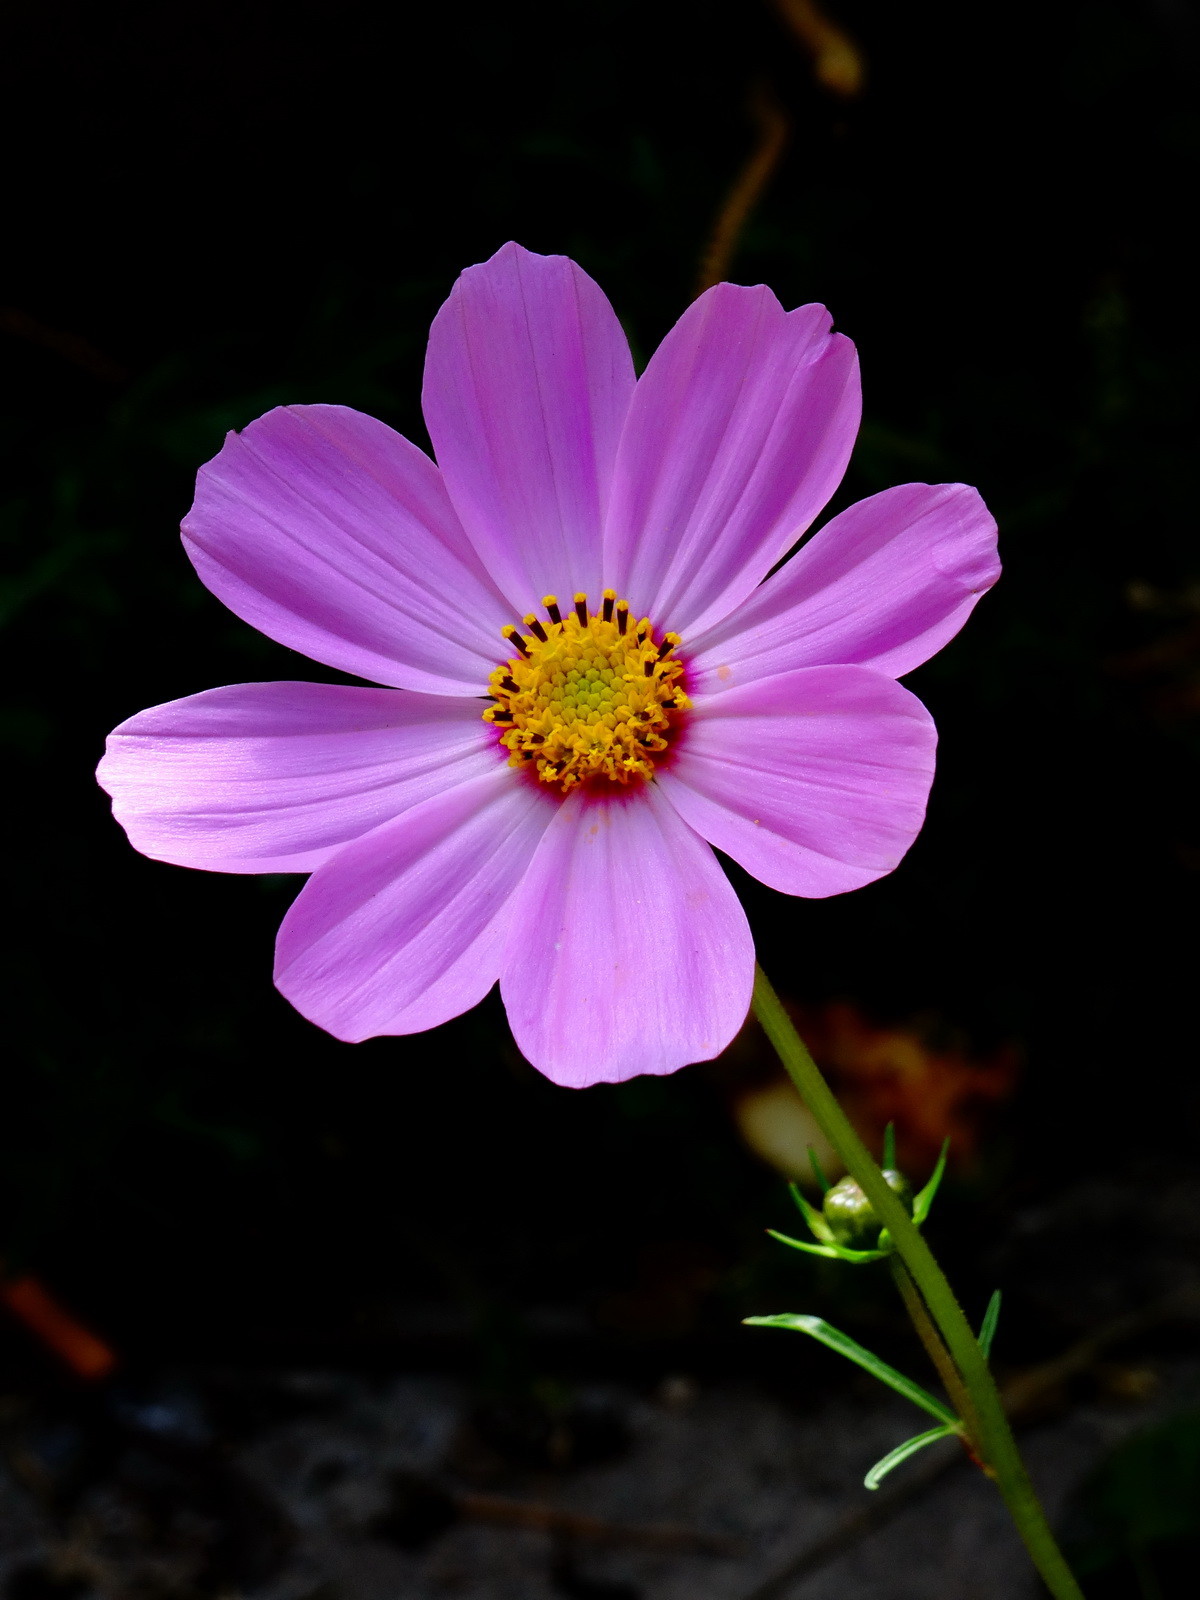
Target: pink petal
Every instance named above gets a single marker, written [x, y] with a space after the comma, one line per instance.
[333, 535]
[274, 777]
[814, 781]
[629, 951]
[527, 382]
[404, 928]
[739, 432]
[885, 584]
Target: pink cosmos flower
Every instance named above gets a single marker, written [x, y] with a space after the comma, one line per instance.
[591, 553]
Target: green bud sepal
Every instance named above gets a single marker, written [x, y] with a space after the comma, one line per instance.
[834, 1252]
[846, 1228]
[925, 1197]
[987, 1328]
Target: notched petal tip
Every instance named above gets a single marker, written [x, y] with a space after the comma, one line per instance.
[740, 429]
[528, 379]
[968, 554]
[884, 584]
[512, 251]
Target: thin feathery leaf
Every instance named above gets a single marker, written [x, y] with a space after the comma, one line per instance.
[902, 1452]
[817, 1328]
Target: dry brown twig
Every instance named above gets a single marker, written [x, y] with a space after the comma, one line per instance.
[497, 1509]
[838, 63]
[838, 66]
[747, 189]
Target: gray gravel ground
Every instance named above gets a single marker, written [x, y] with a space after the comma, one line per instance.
[319, 1492]
[253, 1484]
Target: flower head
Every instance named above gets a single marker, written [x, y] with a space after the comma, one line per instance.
[590, 677]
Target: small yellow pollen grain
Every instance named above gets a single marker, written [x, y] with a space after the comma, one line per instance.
[588, 697]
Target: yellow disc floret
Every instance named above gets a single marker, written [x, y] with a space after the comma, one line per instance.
[591, 695]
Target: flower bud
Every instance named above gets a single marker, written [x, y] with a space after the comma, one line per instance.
[851, 1216]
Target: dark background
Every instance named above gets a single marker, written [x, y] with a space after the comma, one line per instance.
[210, 210]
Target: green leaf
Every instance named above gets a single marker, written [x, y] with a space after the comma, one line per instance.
[817, 1328]
[816, 1222]
[987, 1328]
[834, 1252]
[924, 1200]
[902, 1452]
[814, 1162]
[889, 1148]
[829, 1250]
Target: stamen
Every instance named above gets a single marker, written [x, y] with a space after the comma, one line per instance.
[572, 704]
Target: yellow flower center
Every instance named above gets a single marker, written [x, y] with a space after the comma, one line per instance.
[589, 696]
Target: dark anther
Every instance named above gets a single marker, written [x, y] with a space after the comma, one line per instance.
[669, 705]
[537, 738]
[581, 609]
[502, 716]
[622, 616]
[647, 667]
[535, 627]
[552, 611]
[609, 601]
[666, 647]
[507, 683]
[514, 638]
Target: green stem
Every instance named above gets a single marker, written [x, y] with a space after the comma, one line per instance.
[997, 1447]
[952, 1381]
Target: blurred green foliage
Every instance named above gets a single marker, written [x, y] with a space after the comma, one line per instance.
[1137, 1520]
